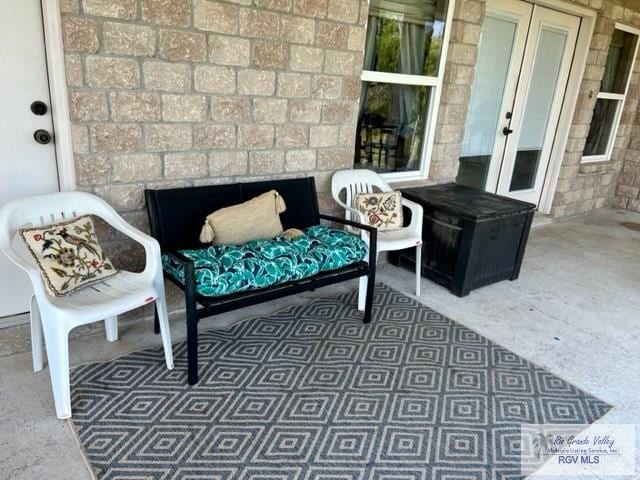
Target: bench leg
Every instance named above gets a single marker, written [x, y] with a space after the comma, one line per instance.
[371, 286]
[192, 323]
[192, 349]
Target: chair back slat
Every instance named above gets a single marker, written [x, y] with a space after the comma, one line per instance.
[353, 182]
[40, 210]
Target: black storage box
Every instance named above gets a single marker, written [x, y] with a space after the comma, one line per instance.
[471, 237]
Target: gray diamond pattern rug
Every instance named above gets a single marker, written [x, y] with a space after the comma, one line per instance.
[311, 393]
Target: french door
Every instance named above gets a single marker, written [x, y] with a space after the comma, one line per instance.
[524, 61]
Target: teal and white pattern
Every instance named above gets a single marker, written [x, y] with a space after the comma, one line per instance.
[225, 269]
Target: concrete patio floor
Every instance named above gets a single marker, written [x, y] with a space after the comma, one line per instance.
[575, 310]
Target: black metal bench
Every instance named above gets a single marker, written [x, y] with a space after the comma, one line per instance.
[176, 217]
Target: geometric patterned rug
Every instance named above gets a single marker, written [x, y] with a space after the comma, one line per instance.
[311, 393]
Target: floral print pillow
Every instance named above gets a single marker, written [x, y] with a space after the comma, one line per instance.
[383, 210]
[68, 255]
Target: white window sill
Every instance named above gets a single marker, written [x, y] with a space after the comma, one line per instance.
[595, 159]
[402, 177]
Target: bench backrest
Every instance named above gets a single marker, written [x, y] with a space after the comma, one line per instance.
[176, 215]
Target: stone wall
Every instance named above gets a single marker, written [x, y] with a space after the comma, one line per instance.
[628, 191]
[187, 92]
[456, 92]
[168, 93]
[583, 187]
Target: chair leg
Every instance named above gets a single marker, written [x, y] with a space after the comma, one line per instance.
[162, 317]
[36, 336]
[111, 328]
[363, 287]
[156, 321]
[57, 344]
[362, 293]
[418, 268]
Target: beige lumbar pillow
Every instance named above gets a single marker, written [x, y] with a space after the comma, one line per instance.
[382, 210]
[255, 219]
[68, 255]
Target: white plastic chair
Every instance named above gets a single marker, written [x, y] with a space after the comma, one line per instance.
[358, 181]
[57, 316]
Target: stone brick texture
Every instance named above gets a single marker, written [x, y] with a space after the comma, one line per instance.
[188, 92]
[583, 187]
[456, 91]
[171, 93]
[628, 185]
[168, 93]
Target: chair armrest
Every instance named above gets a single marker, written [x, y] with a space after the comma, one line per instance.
[153, 263]
[372, 231]
[19, 261]
[132, 232]
[352, 210]
[417, 213]
[34, 274]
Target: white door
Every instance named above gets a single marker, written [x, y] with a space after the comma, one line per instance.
[26, 166]
[525, 57]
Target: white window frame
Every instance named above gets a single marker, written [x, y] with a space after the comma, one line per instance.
[435, 93]
[621, 99]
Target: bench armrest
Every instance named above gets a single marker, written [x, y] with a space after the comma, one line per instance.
[351, 223]
[178, 257]
[189, 275]
[372, 231]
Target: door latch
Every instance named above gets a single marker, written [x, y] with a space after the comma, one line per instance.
[42, 137]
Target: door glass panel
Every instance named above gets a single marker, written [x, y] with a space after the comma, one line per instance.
[405, 37]
[494, 57]
[546, 68]
[391, 126]
[604, 116]
[619, 61]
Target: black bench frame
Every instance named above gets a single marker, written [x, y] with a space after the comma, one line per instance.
[176, 216]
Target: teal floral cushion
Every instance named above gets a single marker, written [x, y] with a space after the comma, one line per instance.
[225, 269]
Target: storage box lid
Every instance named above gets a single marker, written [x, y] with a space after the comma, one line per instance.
[466, 201]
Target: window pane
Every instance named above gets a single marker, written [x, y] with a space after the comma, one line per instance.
[480, 129]
[619, 61]
[405, 36]
[537, 110]
[391, 126]
[604, 116]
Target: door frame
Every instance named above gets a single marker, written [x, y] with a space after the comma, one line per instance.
[63, 145]
[541, 19]
[585, 34]
[54, 50]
